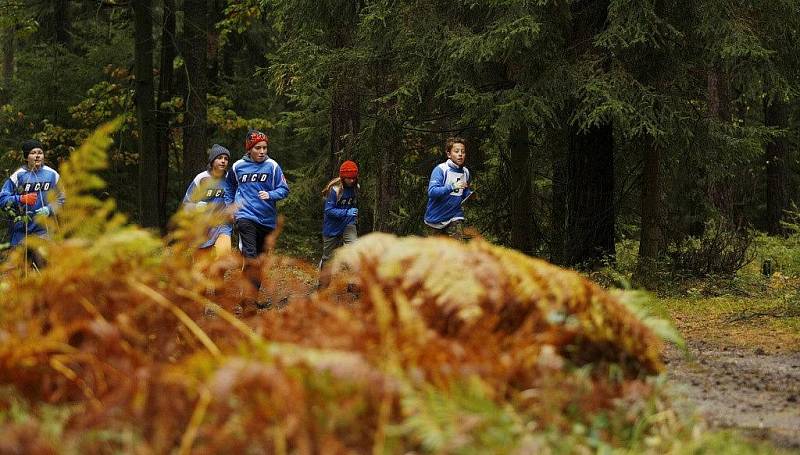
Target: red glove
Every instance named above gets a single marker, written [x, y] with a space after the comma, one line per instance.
[28, 199]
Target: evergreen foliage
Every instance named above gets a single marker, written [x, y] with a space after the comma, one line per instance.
[385, 83]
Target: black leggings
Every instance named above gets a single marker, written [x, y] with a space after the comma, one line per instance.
[252, 237]
[252, 240]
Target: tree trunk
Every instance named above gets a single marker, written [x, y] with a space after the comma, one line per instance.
[590, 196]
[145, 113]
[386, 187]
[590, 213]
[722, 192]
[521, 191]
[651, 239]
[345, 114]
[165, 90]
[228, 67]
[776, 114]
[718, 94]
[8, 63]
[215, 51]
[345, 123]
[558, 147]
[62, 21]
[195, 53]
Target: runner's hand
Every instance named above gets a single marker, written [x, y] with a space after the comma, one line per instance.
[201, 204]
[352, 212]
[263, 195]
[459, 185]
[43, 211]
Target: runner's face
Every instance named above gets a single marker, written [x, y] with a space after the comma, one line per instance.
[457, 154]
[348, 181]
[259, 152]
[35, 158]
[219, 164]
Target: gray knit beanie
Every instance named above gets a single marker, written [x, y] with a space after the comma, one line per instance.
[216, 151]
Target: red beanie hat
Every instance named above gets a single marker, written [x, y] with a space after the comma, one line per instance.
[254, 137]
[348, 170]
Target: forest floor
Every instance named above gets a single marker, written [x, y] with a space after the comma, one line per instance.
[742, 365]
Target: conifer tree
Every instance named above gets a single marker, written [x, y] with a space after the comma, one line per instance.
[145, 114]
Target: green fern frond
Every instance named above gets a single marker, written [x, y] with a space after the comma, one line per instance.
[637, 302]
[464, 419]
[84, 215]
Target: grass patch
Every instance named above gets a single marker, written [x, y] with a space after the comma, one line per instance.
[727, 442]
[766, 323]
[763, 322]
[747, 309]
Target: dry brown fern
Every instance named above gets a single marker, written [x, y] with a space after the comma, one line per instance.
[115, 328]
[483, 292]
[438, 311]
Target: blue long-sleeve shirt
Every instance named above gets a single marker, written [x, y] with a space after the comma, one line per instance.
[444, 203]
[335, 218]
[214, 193]
[43, 182]
[246, 178]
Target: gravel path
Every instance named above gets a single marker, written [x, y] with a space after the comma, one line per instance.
[753, 391]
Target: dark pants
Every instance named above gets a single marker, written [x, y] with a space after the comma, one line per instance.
[36, 259]
[330, 244]
[252, 240]
[252, 237]
[454, 230]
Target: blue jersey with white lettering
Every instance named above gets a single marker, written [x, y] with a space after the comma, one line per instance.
[44, 183]
[335, 218]
[212, 191]
[246, 178]
[444, 202]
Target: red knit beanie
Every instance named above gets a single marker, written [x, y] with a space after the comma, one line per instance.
[348, 170]
[254, 137]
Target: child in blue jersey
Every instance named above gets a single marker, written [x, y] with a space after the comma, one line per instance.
[209, 189]
[257, 183]
[447, 190]
[31, 191]
[340, 213]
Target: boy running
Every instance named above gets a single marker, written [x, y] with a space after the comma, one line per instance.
[447, 190]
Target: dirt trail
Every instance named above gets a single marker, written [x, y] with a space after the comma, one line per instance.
[752, 390]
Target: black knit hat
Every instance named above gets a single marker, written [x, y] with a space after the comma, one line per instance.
[216, 151]
[29, 145]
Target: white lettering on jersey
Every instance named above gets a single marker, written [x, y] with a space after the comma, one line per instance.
[214, 193]
[251, 178]
[32, 187]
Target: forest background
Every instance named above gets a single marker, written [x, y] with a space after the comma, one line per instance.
[651, 143]
[665, 128]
